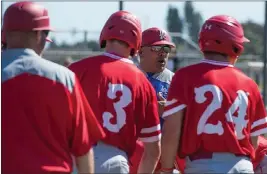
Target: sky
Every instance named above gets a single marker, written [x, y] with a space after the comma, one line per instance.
[91, 16]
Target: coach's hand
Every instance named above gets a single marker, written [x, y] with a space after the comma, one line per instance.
[161, 103]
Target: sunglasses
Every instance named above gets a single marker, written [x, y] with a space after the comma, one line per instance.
[165, 49]
[46, 32]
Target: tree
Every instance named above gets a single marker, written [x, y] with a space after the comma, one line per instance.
[254, 32]
[189, 11]
[196, 26]
[174, 23]
[193, 19]
[94, 45]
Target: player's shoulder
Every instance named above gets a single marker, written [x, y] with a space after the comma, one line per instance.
[21, 61]
[189, 68]
[132, 73]
[109, 61]
[201, 68]
[250, 85]
[242, 75]
[50, 67]
[168, 72]
[165, 76]
[54, 72]
[98, 60]
[186, 71]
[87, 61]
[245, 78]
[135, 74]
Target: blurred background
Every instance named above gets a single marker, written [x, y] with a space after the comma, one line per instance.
[78, 26]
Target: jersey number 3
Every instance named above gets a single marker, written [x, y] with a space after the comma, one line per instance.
[240, 103]
[124, 100]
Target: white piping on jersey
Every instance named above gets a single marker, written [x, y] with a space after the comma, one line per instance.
[150, 129]
[168, 103]
[214, 62]
[118, 58]
[259, 122]
[150, 139]
[173, 110]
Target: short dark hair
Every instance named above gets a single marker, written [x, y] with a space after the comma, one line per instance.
[213, 52]
[121, 42]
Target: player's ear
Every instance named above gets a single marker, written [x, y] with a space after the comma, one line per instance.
[38, 36]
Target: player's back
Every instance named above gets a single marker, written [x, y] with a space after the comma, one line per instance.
[118, 93]
[221, 111]
[36, 120]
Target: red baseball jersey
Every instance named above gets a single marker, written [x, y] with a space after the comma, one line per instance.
[45, 116]
[223, 108]
[122, 99]
[261, 151]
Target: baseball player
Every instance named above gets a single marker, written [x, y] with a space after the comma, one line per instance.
[214, 113]
[122, 98]
[155, 48]
[260, 161]
[45, 116]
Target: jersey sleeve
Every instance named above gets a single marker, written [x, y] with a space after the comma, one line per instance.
[86, 130]
[150, 131]
[176, 99]
[259, 117]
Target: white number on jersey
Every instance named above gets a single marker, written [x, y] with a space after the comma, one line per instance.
[124, 100]
[240, 103]
[216, 103]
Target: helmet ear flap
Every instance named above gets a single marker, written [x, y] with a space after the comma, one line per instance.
[238, 49]
[103, 44]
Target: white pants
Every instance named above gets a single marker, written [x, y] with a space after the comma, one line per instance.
[220, 163]
[109, 159]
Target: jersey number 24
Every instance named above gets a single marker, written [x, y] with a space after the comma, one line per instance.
[241, 102]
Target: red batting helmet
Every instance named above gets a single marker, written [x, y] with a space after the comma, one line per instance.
[222, 34]
[124, 26]
[156, 36]
[26, 16]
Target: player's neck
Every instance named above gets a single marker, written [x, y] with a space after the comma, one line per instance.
[117, 50]
[17, 44]
[25, 47]
[220, 58]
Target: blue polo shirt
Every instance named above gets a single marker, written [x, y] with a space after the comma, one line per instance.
[161, 82]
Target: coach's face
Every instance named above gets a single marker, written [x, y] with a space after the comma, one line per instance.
[41, 40]
[154, 58]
